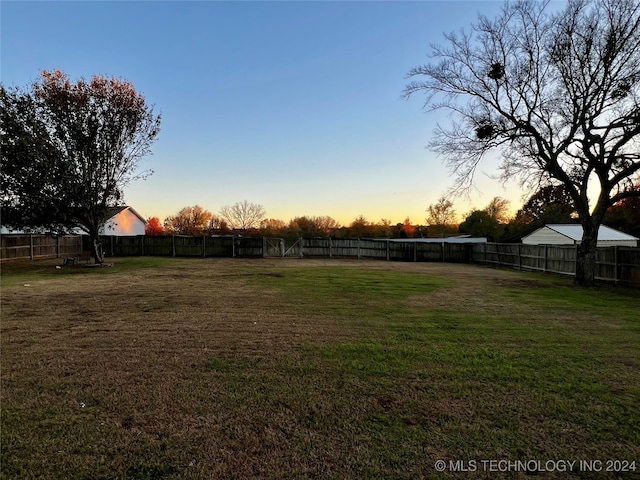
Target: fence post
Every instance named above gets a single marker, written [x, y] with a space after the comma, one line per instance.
[615, 260]
[330, 252]
[204, 244]
[233, 246]
[443, 255]
[31, 246]
[544, 267]
[358, 248]
[264, 247]
[173, 245]
[301, 244]
[519, 258]
[57, 246]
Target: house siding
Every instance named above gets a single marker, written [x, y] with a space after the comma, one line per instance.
[124, 223]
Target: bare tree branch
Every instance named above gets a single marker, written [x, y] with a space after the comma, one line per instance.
[557, 94]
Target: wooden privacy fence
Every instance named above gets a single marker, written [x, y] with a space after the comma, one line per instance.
[228, 246]
[619, 264]
[13, 246]
[384, 249]
[183, 246]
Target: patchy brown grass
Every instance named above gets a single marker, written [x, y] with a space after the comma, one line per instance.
[223, 368]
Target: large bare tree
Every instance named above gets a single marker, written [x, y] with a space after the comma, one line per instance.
[69, 149]
[556, 93]
[243, 215]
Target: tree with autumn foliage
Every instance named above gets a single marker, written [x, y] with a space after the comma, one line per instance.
[218, 226]
[153, 227]
[441, 218]
[361, 227]
[312, 227]
[272, 227]
[406, 229]
[194, 221]
[625, 215]
[69, 149]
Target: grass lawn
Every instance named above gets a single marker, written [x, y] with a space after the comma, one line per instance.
[340, 369]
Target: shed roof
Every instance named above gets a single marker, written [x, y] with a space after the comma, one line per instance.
[459, 239]
[605, 234]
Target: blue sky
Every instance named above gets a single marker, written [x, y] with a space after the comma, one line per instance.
[293, 105]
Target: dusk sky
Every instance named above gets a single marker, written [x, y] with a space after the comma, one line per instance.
[293, 105]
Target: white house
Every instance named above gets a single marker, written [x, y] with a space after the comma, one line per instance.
[123, 221]
[569, 234]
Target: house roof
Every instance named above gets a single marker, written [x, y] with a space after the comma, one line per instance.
[113, 211]
[574, 232]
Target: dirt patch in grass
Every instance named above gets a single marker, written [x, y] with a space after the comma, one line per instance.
[233, 368]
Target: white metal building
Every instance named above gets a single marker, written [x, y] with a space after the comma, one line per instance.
[458, 239]
[570, 234]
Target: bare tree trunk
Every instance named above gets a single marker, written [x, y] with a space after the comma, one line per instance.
[96, 251]
[586, 256]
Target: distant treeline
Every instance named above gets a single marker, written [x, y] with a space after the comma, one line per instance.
[551, 204]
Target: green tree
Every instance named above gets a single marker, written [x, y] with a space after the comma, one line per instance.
[33, 171]
[69, 149]
[556, 93]
[360, 227]
[489, 222]
[480, 223]
[550, 204]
